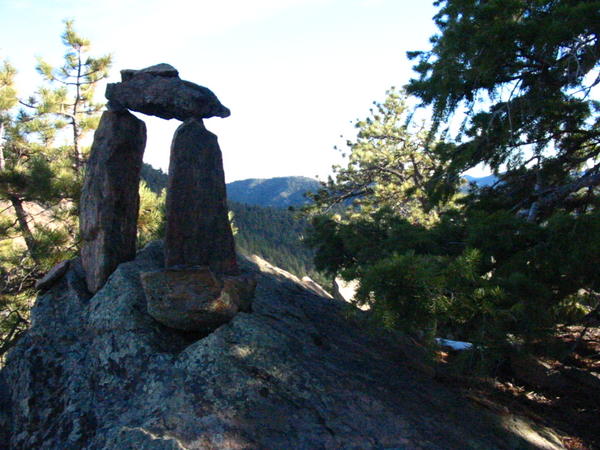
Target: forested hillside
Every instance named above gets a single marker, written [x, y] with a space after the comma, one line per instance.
[278, 192]
[273, 233]
[277, 235]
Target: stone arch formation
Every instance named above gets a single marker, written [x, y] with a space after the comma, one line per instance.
[198, 234]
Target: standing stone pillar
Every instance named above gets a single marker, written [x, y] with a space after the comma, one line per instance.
[198, 232]
[110, 197]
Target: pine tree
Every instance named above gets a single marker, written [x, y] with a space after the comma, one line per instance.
[8, 99]
[151, 219]
[70, 96]
[25, 175]
[42, 157]
[525, 73]
[36, 168]
[527, 77]
[388, 166]
[506, 266]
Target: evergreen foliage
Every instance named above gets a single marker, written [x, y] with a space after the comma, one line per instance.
[42, 157]
[525, 72]
[485, 278]
[388, 166]
[69, 98]
[505, 262]
[152, 215]
[43, 154]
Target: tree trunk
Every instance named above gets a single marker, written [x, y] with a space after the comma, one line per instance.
[30, 241]
[77, 154]
[2, 162]
[535, 206]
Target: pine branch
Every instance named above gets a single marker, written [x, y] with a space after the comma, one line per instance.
[555, 196]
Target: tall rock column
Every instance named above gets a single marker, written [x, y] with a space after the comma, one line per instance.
[198, 232]
[110, 198]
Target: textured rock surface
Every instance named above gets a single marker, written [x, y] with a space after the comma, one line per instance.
[100, 373]
[198, 231]
[52, 276]
[194, 299]
[110, 198]
[158, 91]
[159, 70]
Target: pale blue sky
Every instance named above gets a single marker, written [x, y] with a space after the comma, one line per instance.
[293, 72]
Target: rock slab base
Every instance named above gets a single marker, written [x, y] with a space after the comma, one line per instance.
[195, 299]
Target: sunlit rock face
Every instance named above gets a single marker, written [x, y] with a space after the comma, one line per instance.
[98, 372]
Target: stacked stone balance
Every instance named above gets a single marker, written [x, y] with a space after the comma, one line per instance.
[201, 286]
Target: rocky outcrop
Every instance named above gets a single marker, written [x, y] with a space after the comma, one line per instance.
[99, 373]
[202, 287]
[158, 91]
[198, 231]
[315, 287]
[110, 198]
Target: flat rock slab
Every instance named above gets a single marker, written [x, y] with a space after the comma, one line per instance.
[158, 91]
[194, 299]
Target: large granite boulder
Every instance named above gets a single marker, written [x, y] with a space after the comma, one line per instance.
[100, 373]
[158, 91]
[110, 198]
[198, 232]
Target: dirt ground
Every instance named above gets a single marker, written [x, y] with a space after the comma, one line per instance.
[563, 395]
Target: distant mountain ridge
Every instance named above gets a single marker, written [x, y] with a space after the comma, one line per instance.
[481, 181]
[282, 192]
[278, 192]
